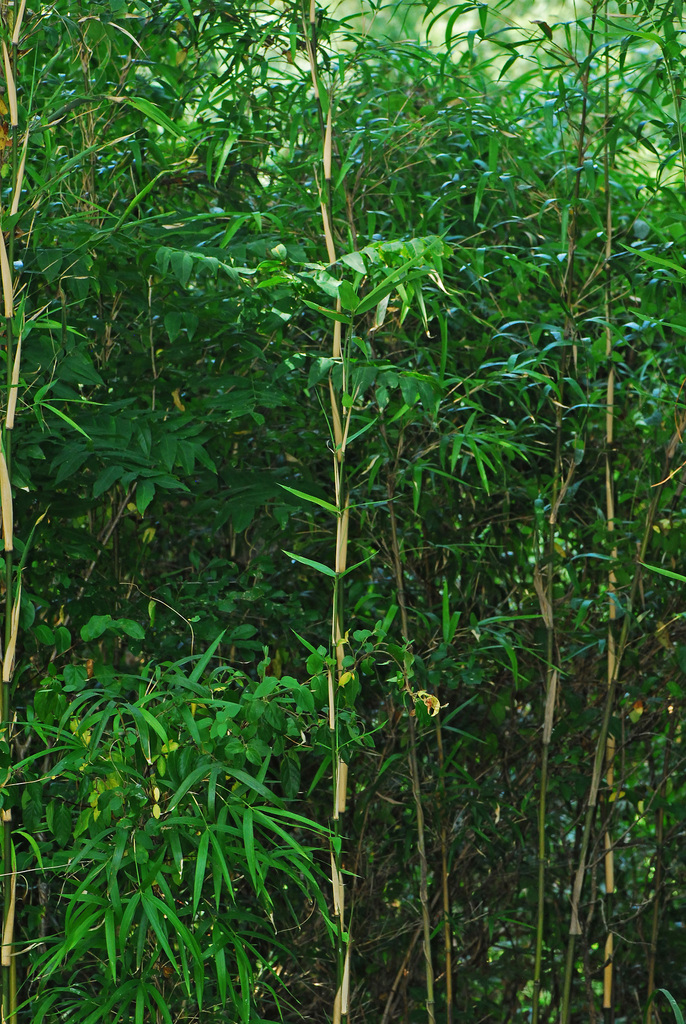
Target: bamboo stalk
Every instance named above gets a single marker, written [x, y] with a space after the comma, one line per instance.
[545, 597]
[445, 879]
[14, 387]
[608, 986]
[340, 767]
[601, 743]
[8, 962]
[570, 330]
[569, 280]
[413, 764]
[659, 870]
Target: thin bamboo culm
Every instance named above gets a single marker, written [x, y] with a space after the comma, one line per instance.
[340, 421]
[11, 30]
[413, 762]
[658, 877]
[608, 994]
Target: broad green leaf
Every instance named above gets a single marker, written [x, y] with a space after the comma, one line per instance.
[95, 627]
[145, 492]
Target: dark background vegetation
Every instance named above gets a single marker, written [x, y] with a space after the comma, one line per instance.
[515, 190]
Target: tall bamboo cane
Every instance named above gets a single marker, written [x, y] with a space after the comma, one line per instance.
[610, 518]
[601, 743]
[12, 595]
[340, 420]
[412, 758]
[545, 593]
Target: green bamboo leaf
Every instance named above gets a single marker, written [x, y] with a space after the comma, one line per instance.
[220, 967]
[306, 643]
[312, 498]
[252, 783]
[200, 865]
[162, 1007]
[127, 920]
[139, 1016]
[153, 112]
[204, 661]
[249, 842]
[664, 572]
[678, 1016]
[245, 979]
[656, 261]
[358, 564]
[319, 566]
[330, 314]
[374, 297]
[111, 943]
[220, 868]
[191, 780]
[63, 416]
[137, 199]
[159, 927]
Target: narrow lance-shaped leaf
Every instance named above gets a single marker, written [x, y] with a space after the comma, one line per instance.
[319, 566]
[311, 497]
[665, 572]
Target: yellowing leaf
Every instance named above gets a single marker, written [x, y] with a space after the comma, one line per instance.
[637, 710]
[345, 678]
[662, 635]
[176, 395]
[430, 701]
[156, 811]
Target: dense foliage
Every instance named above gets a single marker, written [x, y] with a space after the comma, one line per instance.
[347, 354]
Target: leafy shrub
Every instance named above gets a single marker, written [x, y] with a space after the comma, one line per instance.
[166, 847]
